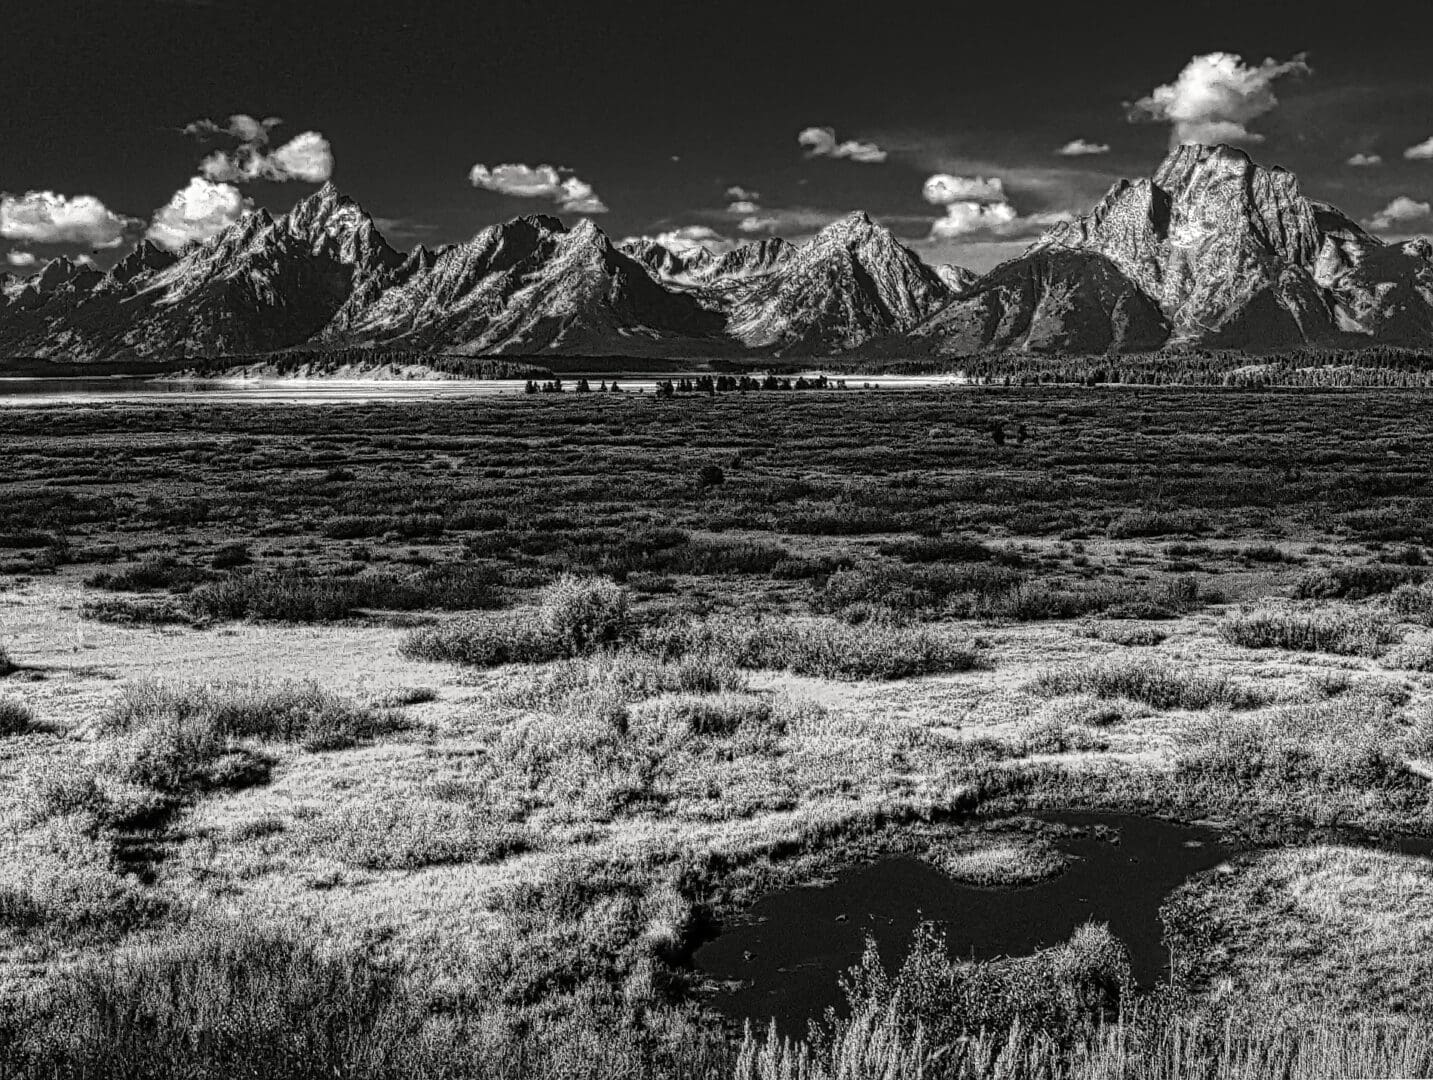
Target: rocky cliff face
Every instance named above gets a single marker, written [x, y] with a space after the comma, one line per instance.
[852, 283]
[1233, 253]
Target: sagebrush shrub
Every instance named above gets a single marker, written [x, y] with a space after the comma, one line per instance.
[16, 718]
[1351, 631]
[1154, 683]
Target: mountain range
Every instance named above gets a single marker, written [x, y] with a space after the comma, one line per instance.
[1213, 250]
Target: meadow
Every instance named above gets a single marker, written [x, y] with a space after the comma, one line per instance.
[429, 739]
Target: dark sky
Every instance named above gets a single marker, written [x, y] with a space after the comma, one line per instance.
[661, 108]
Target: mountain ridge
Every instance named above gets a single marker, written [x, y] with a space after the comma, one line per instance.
[1211, 250]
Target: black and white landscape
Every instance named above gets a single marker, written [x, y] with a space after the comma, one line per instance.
[739, 542]
[1214, 250]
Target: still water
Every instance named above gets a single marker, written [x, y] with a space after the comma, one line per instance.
[60, 391]
[784, 956]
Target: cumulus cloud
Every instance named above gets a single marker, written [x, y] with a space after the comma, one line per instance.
[822, 142]
[1082, 148]
[1365, 160]
[743, 206]
[759, 223]
[943, 189]
[540, 182]
[1422, 152]
[20, 259]
[307, 156]
[1402, 213]
[689, 238]
[44, 217]
[1215, 97]
[979, 205]
[196, 212]
[738, 193]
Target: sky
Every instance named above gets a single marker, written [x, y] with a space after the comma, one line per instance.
[965, 128]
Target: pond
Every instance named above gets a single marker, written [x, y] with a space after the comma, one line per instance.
[784, 957]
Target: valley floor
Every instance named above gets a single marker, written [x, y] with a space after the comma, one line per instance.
[514, 700]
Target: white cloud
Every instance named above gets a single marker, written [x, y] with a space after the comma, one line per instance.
[979, 205]
[788, 221]
[759, 224]
[196, 212]
[738, 193]
[241, 126]
[20, 258]
[821, 142]
[540, 182]
[943, 189]
[964, 218]
[1215, 97]
[43, 217]
[690, 238]
[992, 219]
[1364, 160]
[743, 206]
[307, 157]
[1082, 148]
[1401, 213]
[1422, 152]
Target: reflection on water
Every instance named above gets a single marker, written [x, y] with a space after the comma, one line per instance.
[59, 391]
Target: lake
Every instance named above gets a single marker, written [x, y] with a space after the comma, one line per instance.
[120, 389]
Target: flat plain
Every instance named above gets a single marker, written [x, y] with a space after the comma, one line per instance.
[432, 738]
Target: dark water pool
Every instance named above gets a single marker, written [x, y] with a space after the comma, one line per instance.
[784, 956]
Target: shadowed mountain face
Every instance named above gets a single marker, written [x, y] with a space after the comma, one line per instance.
[1053, 300]
[1212, 250]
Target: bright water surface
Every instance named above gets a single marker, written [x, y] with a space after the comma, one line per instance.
[60, 391]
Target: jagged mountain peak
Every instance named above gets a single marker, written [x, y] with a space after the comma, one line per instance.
[1213, 233]
[851, 228]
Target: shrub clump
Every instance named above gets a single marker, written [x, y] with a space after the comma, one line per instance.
[1347, 631]
[292, 596]
[413, 833]
[1356, 582]
[175, 737]
[16, 718]
[1158, 685]
[574, 615]
[822, 647]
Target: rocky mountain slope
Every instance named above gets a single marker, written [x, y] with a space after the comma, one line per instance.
[1212, 250]
[852, 283]
[1234, 255]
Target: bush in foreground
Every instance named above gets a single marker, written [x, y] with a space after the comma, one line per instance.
[181, 736]
[16, 718]
[1347, 631]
